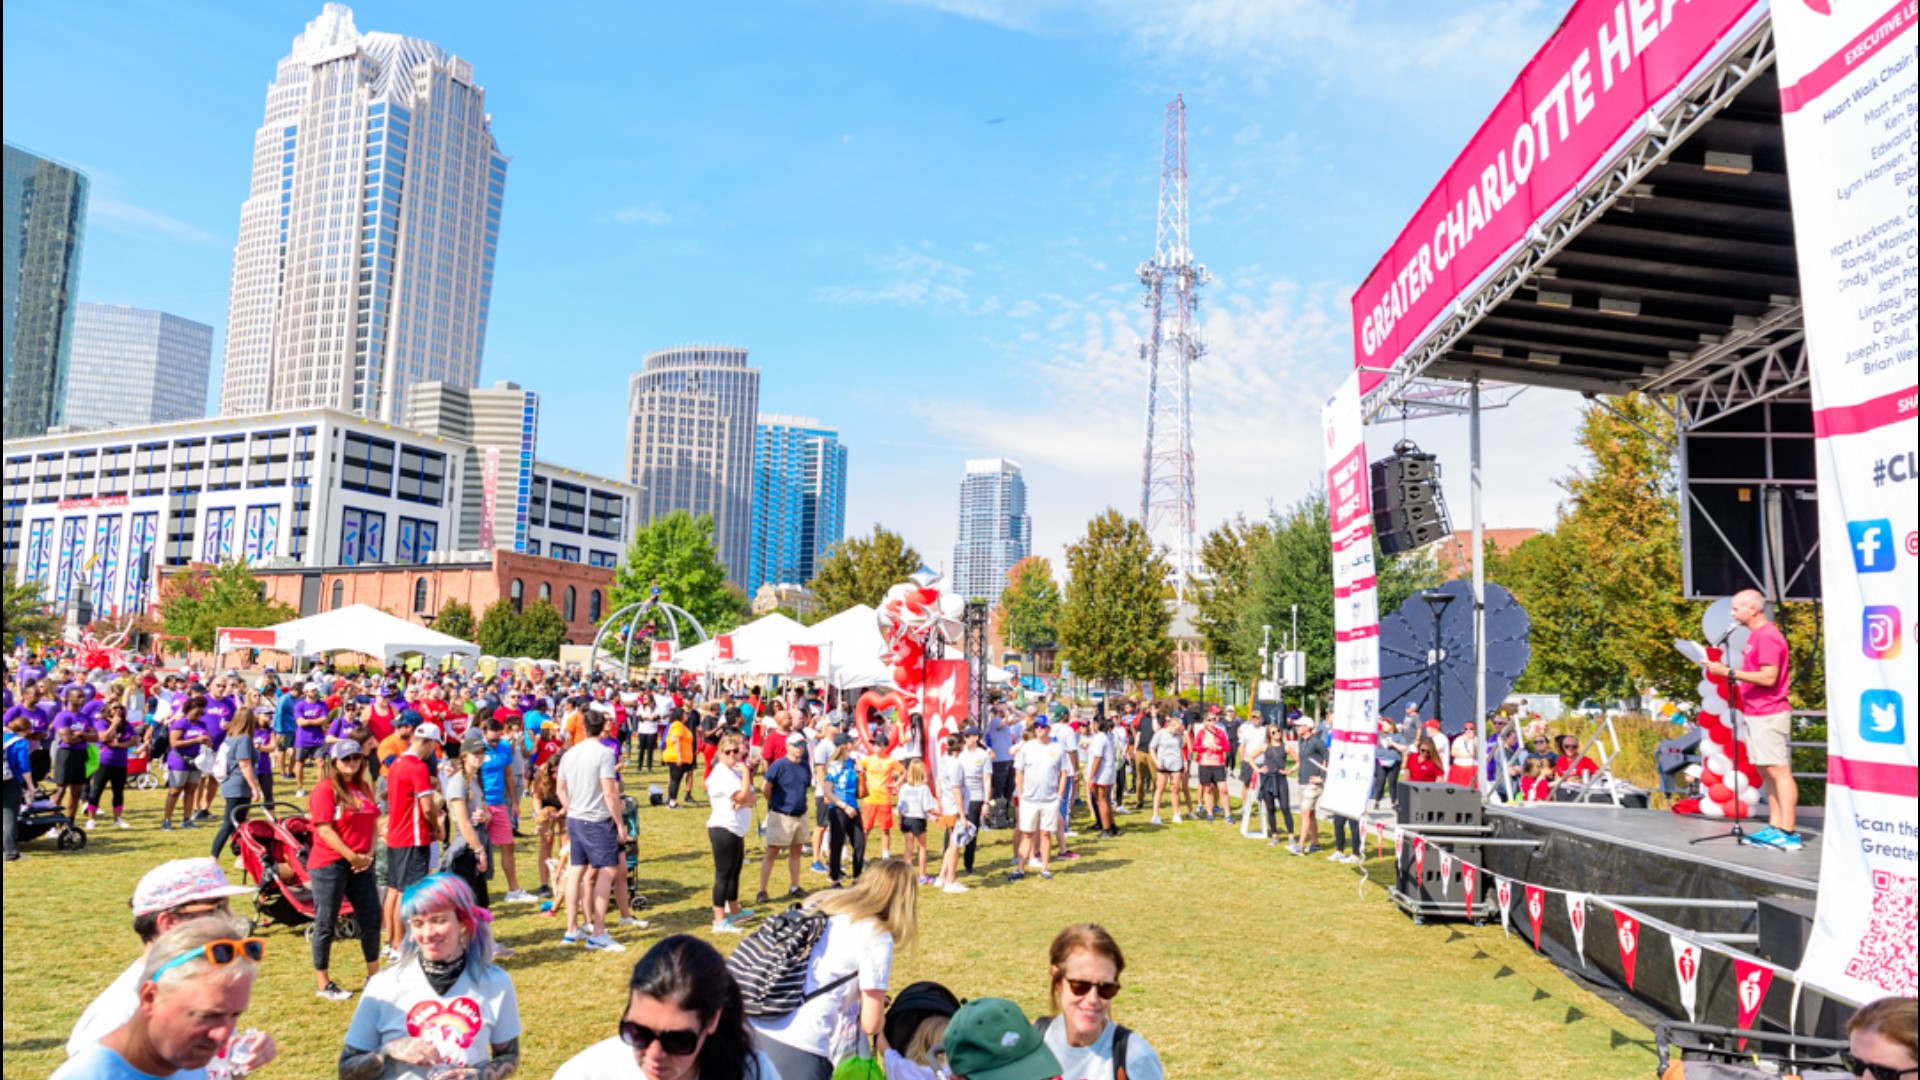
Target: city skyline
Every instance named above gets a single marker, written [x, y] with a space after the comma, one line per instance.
[941, 267]
[691, 416]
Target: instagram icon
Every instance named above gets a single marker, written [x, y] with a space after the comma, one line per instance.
[1880, 632]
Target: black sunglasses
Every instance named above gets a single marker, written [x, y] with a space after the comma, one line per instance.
[1083, 987]
[675, 1043]
[1859, 1067]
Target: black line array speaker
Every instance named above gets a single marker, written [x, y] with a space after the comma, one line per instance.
[1409, 511]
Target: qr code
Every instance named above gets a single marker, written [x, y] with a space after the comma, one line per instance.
[1886, 957]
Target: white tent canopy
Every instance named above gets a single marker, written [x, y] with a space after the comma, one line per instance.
[852, 646]
[759, 648]
[364, 629]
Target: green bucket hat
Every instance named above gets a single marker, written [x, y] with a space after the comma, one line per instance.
[991, 1039]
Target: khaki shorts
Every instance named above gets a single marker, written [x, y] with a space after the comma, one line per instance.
[1310, 797]
[1036, 816]
[784, 830]
[1767, 739]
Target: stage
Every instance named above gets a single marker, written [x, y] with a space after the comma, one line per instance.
[1653, 850]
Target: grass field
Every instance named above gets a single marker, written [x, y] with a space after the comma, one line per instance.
[1243, 963]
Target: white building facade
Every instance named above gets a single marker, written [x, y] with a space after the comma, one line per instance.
[367, 239]
[994, 532]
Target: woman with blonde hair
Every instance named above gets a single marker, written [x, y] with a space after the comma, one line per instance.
[850, 973]
[1084, 966]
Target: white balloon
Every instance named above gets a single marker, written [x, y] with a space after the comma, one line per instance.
[953, 605]
[1709, 693]
[898, 592]
[1750, 796]
[1709, 808]
[1720, 764]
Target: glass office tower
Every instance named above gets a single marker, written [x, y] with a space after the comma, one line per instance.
[134, 366]
[691, 413]
[46, 213]
[799, 499]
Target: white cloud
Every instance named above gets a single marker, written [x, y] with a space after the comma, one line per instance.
[650, 215]
[125, 217]
[909, 279]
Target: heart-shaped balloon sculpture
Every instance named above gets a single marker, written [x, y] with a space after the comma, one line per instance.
[871, 702]
[915, 617]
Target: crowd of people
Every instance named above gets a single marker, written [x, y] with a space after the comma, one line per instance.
[420, 787]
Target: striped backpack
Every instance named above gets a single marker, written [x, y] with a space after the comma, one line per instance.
[771, 963]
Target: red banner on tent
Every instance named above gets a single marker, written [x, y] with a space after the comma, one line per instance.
[1750, 982]
[663, 652]
[1536, 910]
[1626, 928]
[803, 661]
[723, 647]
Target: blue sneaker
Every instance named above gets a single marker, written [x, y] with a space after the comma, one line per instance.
[1787, 841]
[1766, 836]
[818, 867]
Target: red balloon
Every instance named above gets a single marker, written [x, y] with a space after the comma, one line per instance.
[1721, 794]
[874, 701]
[927, 597]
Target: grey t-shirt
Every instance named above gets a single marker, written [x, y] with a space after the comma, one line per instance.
[455, 787]
[235, 785]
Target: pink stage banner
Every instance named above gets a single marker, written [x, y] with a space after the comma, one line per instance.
[1591, 85]
[1356, 611]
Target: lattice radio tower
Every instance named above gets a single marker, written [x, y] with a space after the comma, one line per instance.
[1171, 278]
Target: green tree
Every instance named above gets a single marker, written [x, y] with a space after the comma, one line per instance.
[455, 619]
[541, 631]
[200, 600]
[1227, 557]
[860, 570]
[1029, 613]
[499, 631]
[677, 553]
[27, 614]
[1114, 623]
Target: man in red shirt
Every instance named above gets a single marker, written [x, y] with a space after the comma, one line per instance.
[413, 819]
[1210, 747]
[1759, 691]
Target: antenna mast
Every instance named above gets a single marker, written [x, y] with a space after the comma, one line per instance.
[1171, 280]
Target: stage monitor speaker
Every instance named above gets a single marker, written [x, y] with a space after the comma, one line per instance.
[1437, 804]
[1432, 888]
[1750, 506]
[1786, 925]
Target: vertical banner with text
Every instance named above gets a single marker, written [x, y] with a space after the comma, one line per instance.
[1848, 101]
[1356, 609]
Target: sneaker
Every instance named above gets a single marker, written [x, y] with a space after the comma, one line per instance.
[1016, 875]
[1273, 841]
[1033, 862]
[1046, 875]
[333, 992]
[1337, 856]
[519, 896]
[188, 824]
[671, 805]
[1156, 820]
[121, 823]
[725, 928]
[89, 825]
[572, 938]
[1766, 836]
[390, 954]
[166, 826]
[760, 898]
[1070, 856]
[1071, 832]
[818, 867]
[544, 892]
[1312, 849]
[300, 793]
[1788, 841]
[956, 888]
[796, 893]
[603, 942]
[203, 815]
[636, 923]
[740, 916]
[1176, 819]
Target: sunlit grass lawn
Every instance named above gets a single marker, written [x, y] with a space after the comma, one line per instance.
[1243, 962]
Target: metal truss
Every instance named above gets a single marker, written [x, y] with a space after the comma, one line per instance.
[1665, 134]
[1425, 399]
[1775, 368]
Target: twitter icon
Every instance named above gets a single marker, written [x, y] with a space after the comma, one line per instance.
[1883, 717]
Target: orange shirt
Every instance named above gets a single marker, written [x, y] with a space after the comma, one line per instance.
[392, 747]
[883, 779]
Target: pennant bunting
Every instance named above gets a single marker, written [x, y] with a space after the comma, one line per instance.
[1750, 982]
[1470, 882]
[1446, 872]
[1503, 887]
[1536, 909]
[1686, 972]
[1577, 916]
[1626, 929]
[1419, 861]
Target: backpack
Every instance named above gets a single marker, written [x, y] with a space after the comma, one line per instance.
[1000, 814]
[222, 765]
[1121, 1034]
[771, 963]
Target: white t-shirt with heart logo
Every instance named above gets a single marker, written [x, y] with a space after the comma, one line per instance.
[473, 1016]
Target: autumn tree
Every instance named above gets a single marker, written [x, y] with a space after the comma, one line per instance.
[1029, 611]
[1114, 623]
[196, 602]
[1227, 557]
[860, 570]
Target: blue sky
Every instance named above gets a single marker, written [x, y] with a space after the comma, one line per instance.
[922, 217]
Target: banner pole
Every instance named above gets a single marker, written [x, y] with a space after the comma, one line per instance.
[1479, 600]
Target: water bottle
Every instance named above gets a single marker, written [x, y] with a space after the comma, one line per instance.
[236, 1060]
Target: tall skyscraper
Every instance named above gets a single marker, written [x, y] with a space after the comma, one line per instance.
[799, 499]
[46, 213]
[134, 366]
[690, 441]
[995, 531]
[367, 239]
[503, 423]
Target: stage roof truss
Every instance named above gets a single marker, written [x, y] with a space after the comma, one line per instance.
[1670, 273]
[1426, 398]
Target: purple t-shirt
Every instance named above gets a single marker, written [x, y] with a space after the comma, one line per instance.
[341, 725]
[214, 720]
[182, 728]
[309, 736]
[109, 756]
[1765, 646]
[92, 708]
[70, 722]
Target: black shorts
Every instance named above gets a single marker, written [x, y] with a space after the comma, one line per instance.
[821, 811]
[69, 766]
[407, 866]
[913, 826]
[283, 742]
[1213, 774]
[308, 753]
[1246, 773]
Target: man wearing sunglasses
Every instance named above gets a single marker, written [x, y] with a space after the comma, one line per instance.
[169, 895]
[194, 986]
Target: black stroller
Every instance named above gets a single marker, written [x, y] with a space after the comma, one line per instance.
[42, 815]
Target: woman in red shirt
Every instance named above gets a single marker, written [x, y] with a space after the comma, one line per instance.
[1568, 763]
[1423, 764]
[344, 816]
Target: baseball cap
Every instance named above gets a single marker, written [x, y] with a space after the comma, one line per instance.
[1433, 725]
[429, 731]
[991, 1039]
[345, 748]
[473, 742]
[1042, 721]
[407, 718]
[182, 881]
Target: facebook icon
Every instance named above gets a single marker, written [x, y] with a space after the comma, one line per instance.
[1872, 542]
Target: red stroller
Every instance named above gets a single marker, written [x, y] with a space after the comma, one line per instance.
[273, 855]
